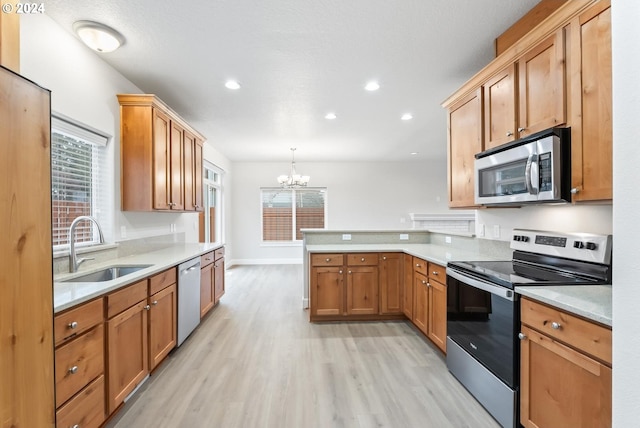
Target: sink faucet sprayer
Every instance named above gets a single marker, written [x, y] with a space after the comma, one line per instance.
[74, 262]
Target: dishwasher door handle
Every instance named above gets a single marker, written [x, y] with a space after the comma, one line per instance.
[186, 271]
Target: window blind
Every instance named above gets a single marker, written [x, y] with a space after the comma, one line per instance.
[286, 211]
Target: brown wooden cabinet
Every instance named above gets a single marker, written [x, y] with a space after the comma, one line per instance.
[161, 157]
[500, 104]
[206, 286]
[420, 302]
[407, 283]
[79, 365]
[589, 80]
[464, 141]
[390, 283]
[326, 291]
[218, 275]
[127, 342]
[362, 290]
[163, 316]
[565, 369]
[437, 309]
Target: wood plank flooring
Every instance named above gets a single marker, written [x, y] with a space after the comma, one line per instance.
[256, 361]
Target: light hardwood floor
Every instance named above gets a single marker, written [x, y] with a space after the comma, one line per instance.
[256, 361]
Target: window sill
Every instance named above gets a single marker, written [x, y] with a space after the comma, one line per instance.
[281, 244]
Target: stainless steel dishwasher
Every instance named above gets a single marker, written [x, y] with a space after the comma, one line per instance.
[188, 298]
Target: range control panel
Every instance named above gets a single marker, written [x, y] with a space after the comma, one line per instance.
[579, 246]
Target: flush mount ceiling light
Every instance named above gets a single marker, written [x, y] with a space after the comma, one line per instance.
[98, 36]
[406, 116]
[232, 84]
[294, 179]
[330, 116]
[372, 86]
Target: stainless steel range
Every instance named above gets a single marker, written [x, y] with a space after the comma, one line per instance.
[483, 310]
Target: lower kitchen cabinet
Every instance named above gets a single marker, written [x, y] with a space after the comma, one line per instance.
[163, 322]
[327, 291]
[218, 275]
[206, 284]
[390, 283]
[362, 290]
[437, 325]
[565, 369]
[127, 342]
[420, 302]
[86, 409]
[407, 283]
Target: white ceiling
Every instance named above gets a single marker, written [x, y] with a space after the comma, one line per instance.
[300, 59]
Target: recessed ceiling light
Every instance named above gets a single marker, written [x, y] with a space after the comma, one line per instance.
[413, 153]
[98, 36]
[330, 116]
[372, 86]
[407, 116]
[232, 84]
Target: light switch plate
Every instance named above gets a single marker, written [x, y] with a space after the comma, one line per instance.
[404, 236]
[447, 239]
[346, 237]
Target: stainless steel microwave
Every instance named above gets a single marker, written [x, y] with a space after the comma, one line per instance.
[535, 169]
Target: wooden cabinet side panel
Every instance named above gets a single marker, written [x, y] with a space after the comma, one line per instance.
[197, 179]
[163, 322]
[407, 295]
[136, 157]
[127, 353]
[391, 286]
[26, 309]
[465, 140]
[561, 387]
[10, 40]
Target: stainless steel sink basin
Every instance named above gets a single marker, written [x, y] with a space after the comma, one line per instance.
[107, 274]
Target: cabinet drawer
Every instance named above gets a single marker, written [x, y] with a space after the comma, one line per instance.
[78, 363]
[362, 259]
[86, 409]
[76, 321]
[125, 298]
[162, 280]
[588, 337]
[421, 266]
[327, 260]
[438, 273]
[219, 253]
[206, 259]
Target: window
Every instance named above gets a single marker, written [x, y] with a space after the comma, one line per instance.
[211, 225]
[79, 181]
[286, 211]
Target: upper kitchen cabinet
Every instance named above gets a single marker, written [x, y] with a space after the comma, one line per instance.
[161, 157]
[589, 79]
[557, 74]
[465, 140]
[10, 41]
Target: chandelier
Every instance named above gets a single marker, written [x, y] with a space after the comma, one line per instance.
[294, 179]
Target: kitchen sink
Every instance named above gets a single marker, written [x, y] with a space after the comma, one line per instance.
[107, 274]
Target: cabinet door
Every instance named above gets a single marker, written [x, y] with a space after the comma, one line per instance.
[500, 108]
[420, 302]
[163, 322]
[591, 112]
[391, 286]
[189, 142]
[541, 97]
[407, 295]
[362, 290]
[127, 353]
[465, 140]
[161, 156]
[197, 176]
[327, 291]
[437, 314]
[206, 289]
[218, 280]
[176, 162]
[561, 387]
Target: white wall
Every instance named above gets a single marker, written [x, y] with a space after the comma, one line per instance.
[360, 196]
[626, 223]
[564, 218]
[84, 88]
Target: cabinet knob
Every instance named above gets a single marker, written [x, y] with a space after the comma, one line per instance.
[349, 272]
[76, 426]
[428, 284]
[155, 302]
[362, 259]
[384, 257]
[327, 260]
[555, 326]
[521, 129]
[146, 308]
[73, 370]
[340, 272]
[72, 325]
[435, 273]
[424, 282]
[417, 264]
[575, 190]
[509, 133]
[522, 336]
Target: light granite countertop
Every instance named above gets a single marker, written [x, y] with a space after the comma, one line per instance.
[590, 301]
[69, 294]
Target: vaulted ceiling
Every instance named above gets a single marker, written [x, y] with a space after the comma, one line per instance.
[296, 61]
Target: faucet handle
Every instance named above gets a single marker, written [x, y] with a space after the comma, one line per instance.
[84, 259]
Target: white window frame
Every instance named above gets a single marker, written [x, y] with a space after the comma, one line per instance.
[293, 242]
[219, 186]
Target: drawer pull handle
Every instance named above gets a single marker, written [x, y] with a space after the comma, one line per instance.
[521, 129]
[327, 260]
[349, 272]
[509, 133]
[522, 336]
[362, 259]
[417, 264]
[72, 325]
[555, 326]
[73, 370]
[155, 302]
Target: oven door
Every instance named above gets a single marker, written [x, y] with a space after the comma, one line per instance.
[483, 319]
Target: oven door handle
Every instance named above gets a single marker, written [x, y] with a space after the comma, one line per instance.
[502, 292]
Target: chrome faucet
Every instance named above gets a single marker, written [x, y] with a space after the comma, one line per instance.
[74, 262]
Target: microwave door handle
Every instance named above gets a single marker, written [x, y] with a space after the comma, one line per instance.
[530, 170]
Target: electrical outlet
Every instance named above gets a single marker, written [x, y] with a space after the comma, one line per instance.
[346, 237]
[496, 230]
[404, 236]
[447, 239]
